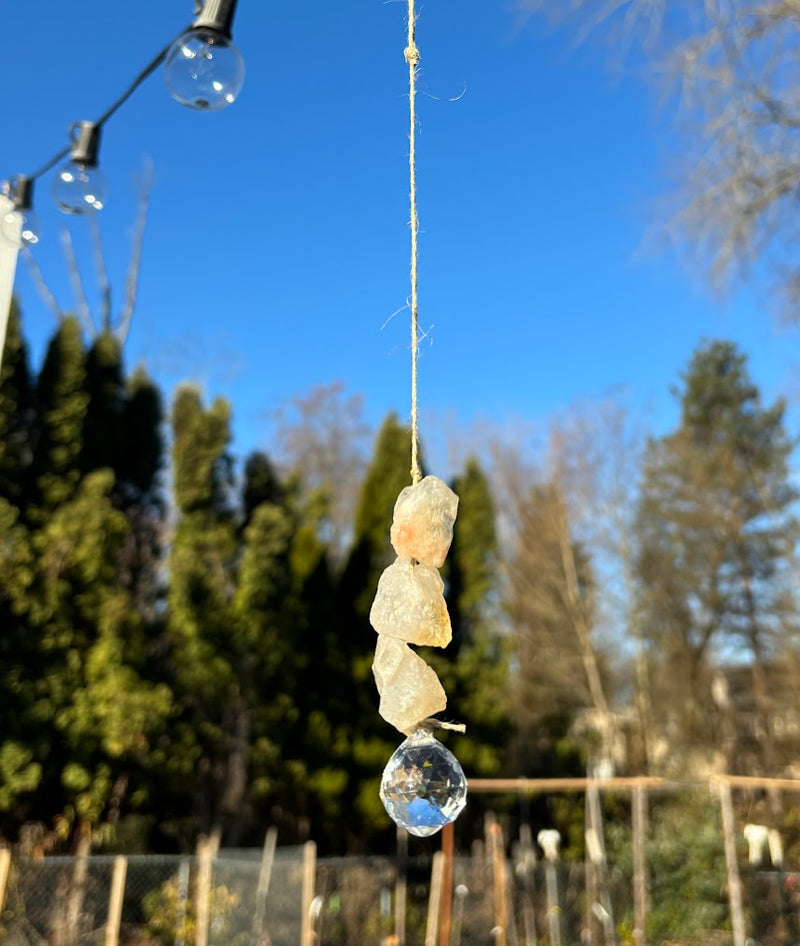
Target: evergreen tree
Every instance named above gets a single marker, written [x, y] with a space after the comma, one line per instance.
[142, 449]
[17, 416]
[474, 668]
[471, 565]
[232, 622]
[62, 399]
[371, 551]
[20, 766]
[264, 655]
[74, 643]
[261, 485]
[324, 683]
[716, 531]
[200, 616]
[85, 708]
[138, 493]
[202, 467]
[20, 771]
[103, 431]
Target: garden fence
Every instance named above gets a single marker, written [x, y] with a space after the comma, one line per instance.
[686, 888]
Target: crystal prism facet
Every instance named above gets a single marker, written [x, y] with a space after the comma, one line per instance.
[423, 786]
[410, 690]
[422, 527]
[409, 605]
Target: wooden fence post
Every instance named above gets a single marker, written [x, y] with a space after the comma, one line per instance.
[264, 876]
[446, 906]
[309, 877]
[401, 887]
[734, 879]
[205, 855]
[5, 869]
[435, 899]
[500, 885]
[596, 843]
[184, 870]
[527, 868]
[77, 891]
[115, 901]
[640, 884]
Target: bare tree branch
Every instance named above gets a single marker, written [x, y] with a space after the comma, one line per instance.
[82, 306]
[41, 285]
[132, 278]
[102, 273]
[83, 309]
[732, 65]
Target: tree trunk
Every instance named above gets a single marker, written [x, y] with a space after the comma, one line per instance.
[229, 823]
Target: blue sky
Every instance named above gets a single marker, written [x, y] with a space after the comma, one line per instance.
[277, 241]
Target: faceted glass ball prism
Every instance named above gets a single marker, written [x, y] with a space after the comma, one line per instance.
[423, 786]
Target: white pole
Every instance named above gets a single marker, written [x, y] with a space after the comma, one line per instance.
[115, 901]
[183, 901]
[549, 840]
[264, 875]
[8, 267]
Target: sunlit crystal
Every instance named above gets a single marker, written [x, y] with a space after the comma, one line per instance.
[410, 690]
[422, 527]
[409, 605]
[423, 786]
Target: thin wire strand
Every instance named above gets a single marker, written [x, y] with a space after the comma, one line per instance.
[412, 58]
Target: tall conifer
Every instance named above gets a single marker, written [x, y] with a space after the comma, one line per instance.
[232, 619]
[474, 666]
[62, 399]
[103, 430]
[17, 416]
[716, 531]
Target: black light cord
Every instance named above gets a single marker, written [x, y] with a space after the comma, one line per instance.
[148, 69]
[140, 78]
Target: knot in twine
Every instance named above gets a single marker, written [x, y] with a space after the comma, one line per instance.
[411, 54]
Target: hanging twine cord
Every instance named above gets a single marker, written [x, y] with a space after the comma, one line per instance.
[412, 58]
[432, 723]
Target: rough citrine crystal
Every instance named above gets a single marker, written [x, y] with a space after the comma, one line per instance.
[422, 527]
[409, 689]
[409, 605]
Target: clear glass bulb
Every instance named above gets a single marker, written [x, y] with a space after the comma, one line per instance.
[204, 70]
[21, 227]
[79, 188]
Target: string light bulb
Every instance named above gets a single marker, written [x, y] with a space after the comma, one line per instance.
[203, 69]
[20, 224]
[80, 186]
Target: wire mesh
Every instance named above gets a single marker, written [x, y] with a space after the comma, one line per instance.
[63, 901]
